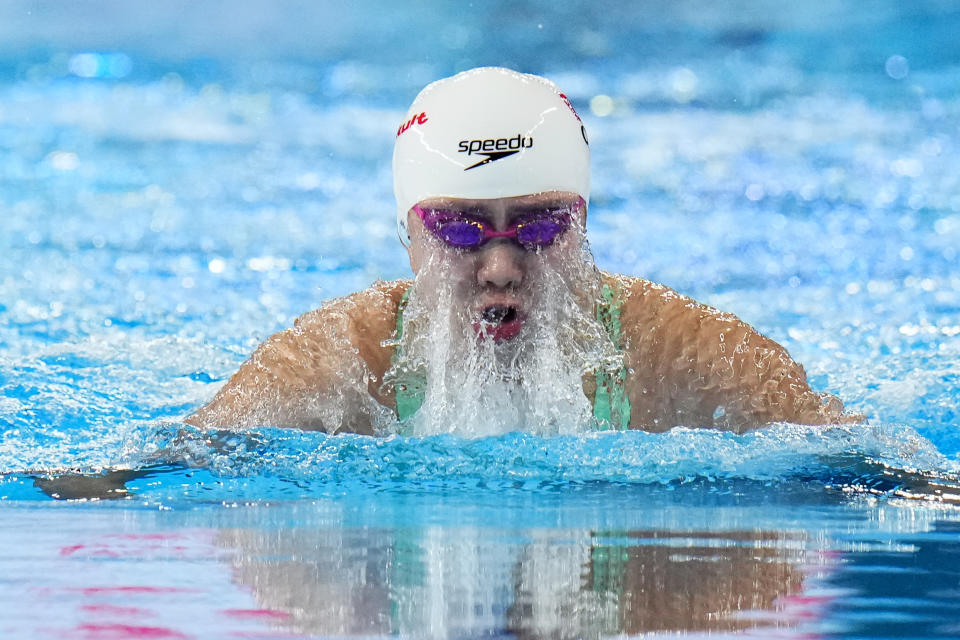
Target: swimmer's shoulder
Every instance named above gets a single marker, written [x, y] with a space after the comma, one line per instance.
[361, 321]
[363, 310]
[282, 379]
[660, 323]
[694, 358]
[644, 299]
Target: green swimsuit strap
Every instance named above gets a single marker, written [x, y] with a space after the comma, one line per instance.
[409, 393]
[611, 406]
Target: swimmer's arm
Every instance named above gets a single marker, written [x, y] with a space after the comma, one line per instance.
[320, 374]
[697, 366]
[274, 387]
[754, 381]
[108, 485]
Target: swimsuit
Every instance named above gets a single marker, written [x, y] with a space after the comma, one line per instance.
[611, 406]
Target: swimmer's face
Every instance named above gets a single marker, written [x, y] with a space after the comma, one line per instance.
[493, 282]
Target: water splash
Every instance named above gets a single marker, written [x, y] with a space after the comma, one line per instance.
[479, 386]
[263, 465]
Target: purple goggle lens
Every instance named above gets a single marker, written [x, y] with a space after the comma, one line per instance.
[462, 232]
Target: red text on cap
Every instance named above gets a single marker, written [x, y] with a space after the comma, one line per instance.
[419, 118]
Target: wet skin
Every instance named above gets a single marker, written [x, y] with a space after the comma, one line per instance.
[688, 364]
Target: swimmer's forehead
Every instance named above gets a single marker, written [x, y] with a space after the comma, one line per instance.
[533, 200]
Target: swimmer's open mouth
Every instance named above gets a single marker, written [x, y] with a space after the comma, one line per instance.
[498, 314]
[500, 322]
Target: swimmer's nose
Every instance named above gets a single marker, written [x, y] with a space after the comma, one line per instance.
[500, 265]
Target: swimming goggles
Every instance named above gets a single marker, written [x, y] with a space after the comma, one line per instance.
[537, 230]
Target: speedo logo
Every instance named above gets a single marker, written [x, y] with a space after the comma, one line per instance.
[494, 148]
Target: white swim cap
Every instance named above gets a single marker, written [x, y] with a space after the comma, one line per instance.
[488, 133]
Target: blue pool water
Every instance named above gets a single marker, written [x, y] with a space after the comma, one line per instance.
[178, 182]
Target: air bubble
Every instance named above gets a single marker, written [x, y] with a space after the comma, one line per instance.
[897, 67]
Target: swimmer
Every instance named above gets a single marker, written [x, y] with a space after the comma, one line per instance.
[507, 322]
